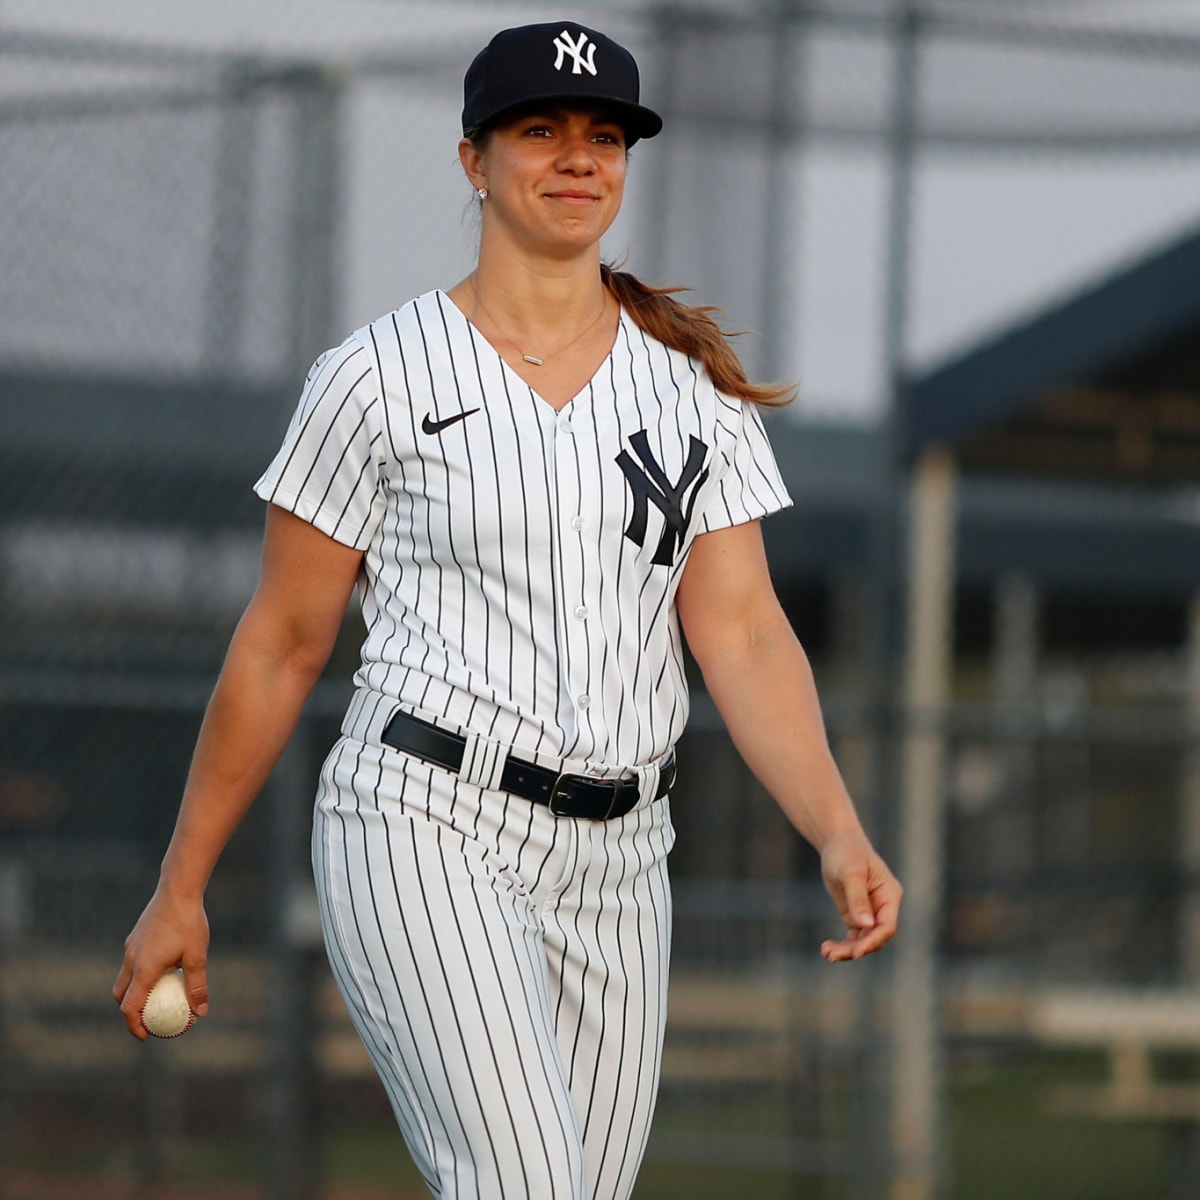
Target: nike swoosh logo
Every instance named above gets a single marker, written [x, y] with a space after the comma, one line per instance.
[432, 426]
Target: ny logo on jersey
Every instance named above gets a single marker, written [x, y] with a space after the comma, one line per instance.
[653, 484]
[564, 45]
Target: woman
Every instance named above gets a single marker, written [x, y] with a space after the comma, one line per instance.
[538, 476]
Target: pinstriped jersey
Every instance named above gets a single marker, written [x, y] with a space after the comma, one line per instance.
[521, 563]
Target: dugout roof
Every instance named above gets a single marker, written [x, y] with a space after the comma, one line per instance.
[1103, 386]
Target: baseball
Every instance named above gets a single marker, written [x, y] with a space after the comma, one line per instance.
[166, 1013]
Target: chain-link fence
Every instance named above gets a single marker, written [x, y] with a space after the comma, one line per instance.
[195, 200]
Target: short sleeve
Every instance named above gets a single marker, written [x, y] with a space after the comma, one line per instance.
[328, 470]
[748, 483]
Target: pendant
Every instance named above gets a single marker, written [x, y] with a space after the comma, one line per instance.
[537, 362]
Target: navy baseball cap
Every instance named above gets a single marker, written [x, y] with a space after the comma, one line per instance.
[559, 61]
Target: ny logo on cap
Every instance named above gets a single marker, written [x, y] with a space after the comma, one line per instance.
[564, 45]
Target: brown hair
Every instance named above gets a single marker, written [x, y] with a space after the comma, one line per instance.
[690, 329]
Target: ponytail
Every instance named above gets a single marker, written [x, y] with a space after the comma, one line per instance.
[691, 330]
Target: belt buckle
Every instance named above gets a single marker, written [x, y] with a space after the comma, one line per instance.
[559, 791]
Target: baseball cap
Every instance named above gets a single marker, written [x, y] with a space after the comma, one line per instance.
[557, 61]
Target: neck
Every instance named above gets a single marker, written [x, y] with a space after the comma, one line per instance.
[536, 300]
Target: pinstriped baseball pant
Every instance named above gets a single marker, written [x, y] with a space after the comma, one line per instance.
[505, 968]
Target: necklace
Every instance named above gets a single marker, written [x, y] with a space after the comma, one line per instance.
[532, 358]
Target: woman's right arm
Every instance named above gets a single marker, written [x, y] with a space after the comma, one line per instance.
[277, 653]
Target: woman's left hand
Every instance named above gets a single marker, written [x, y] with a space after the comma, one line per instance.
[866, 892]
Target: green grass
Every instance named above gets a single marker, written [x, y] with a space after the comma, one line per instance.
[371, 1157]
[1004, 1143]
[1007, 1145]
[360, 1159]
[657, 1182]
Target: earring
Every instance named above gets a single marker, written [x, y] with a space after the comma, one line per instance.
[483, 193]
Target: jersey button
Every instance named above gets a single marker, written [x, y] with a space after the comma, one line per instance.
[564, 425]
[584, 701]
[576, 523]
[581, 612]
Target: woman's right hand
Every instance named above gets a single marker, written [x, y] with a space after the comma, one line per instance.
[171, 932]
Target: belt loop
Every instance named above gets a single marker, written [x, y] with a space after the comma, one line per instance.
[483, 761]
[367, 715]
[657, 777]
[647, 777]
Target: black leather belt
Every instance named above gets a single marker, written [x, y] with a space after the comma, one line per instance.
[566, 795]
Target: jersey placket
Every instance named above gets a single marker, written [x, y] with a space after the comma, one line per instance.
[570, 540]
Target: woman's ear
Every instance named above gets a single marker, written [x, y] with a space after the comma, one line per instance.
[472, 163]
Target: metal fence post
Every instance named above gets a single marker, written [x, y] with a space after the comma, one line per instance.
[915, 1003]
[781, 202]
[887, 501]
[293, 1154]
[1190, 923]
[317, 171]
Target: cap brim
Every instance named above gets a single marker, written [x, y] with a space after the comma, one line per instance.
[637, 120]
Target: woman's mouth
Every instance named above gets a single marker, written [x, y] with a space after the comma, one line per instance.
[572, 196]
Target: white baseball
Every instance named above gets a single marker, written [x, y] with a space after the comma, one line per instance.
[166, 1013]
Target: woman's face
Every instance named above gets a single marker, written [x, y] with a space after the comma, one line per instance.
[555, 177]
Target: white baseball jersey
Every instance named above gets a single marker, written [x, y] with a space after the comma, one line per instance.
[520, 562]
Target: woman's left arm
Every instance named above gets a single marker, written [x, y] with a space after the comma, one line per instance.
[759, 677]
